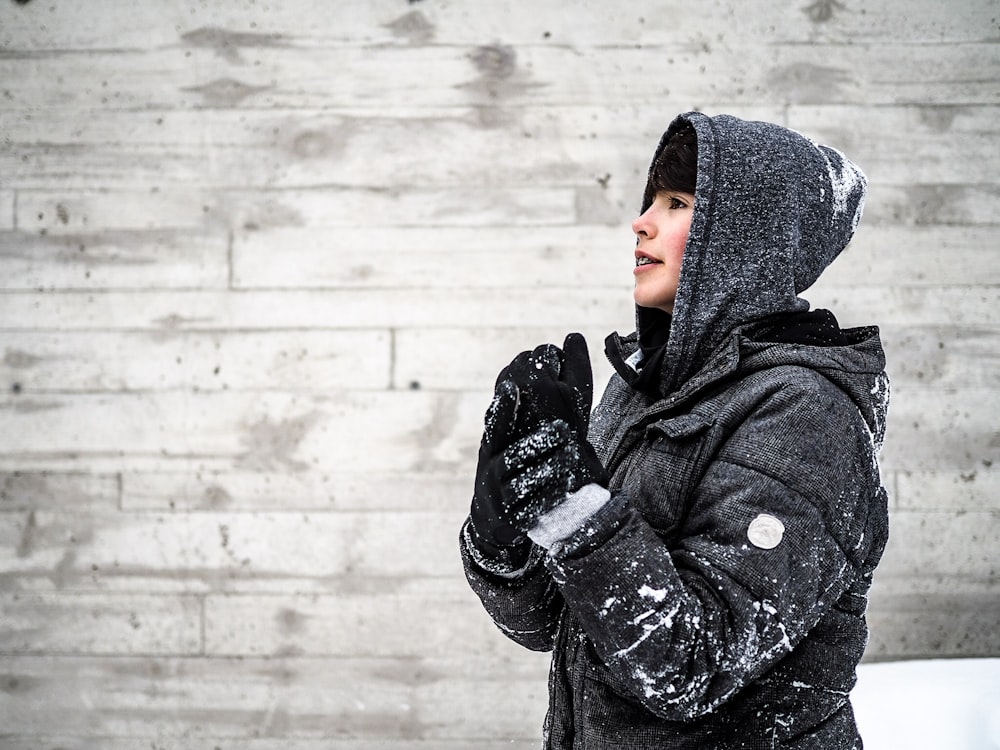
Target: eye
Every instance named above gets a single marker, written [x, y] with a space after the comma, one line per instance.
[677, 202]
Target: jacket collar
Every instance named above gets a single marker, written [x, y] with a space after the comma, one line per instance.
[748, 348]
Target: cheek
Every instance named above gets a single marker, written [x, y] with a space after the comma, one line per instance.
[679, 236]
[678, 240]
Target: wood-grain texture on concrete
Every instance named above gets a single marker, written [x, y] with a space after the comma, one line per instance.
[260, 262]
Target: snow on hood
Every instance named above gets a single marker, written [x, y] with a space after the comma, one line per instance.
[772, 210]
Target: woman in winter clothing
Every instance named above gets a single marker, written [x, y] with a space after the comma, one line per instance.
[697, 554]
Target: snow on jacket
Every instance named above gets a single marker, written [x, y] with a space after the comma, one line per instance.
[717, 601]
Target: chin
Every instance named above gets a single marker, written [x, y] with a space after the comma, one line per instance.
[666, 306]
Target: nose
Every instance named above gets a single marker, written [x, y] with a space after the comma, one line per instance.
[642, 226]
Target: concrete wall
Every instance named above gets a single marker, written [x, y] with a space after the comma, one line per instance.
[259, 263]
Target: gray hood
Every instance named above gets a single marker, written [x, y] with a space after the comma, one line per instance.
[772, 210]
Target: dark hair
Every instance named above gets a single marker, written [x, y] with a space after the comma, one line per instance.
[675, 168]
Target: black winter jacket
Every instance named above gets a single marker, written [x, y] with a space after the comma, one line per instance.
[717, 601]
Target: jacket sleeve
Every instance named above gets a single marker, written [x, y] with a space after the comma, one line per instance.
[524, 603]
[683, 628]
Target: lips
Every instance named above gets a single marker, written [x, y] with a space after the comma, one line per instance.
[643, 260]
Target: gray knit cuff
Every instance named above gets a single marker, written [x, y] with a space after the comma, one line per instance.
[565, 519]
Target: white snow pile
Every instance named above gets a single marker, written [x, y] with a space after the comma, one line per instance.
[933, 704]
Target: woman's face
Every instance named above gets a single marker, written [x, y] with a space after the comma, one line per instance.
[661, 234]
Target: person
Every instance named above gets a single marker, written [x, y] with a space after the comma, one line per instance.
[697, 553]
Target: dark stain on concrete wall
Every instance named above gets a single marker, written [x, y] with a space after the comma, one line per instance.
[412, 27]
[227, 44]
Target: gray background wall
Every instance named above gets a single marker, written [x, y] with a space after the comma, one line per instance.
[259, 263]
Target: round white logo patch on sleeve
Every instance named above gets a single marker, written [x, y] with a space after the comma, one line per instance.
[765, 531]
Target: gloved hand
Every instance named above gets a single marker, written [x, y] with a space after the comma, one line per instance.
[491, 531]
[554, 384]
[538, 471]
[536, 389]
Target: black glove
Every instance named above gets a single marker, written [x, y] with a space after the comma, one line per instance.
[539, 470]
[554, 384]
[535, 389]
[491, 532]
